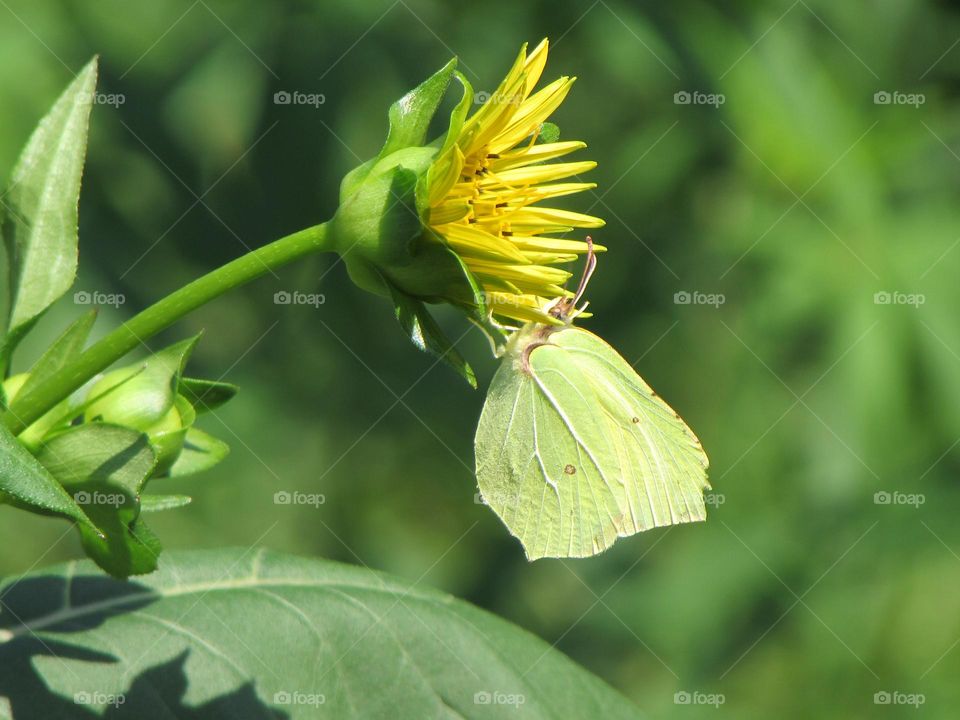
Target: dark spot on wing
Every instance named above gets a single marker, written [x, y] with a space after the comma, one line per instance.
[635, 420]
[570, 470]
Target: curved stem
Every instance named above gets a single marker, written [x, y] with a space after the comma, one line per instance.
[159, 316]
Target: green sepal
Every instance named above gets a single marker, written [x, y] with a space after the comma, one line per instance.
[64, 349]
[206, 395]
[105, 467]
[200, 452]
[410, 116]
[160, 503]
[409, 119]
[28, 485]
[426, 334]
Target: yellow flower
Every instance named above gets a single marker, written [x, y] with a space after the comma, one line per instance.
[485, 190]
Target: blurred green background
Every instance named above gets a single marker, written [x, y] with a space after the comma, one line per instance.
[798, 199]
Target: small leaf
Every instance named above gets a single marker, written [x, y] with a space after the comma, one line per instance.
[200, 452]
[549, 133]
[64, 349]
[410, 115]
[250, 635]
[206, 395]
[105, 467]
[31, 486]
[423, 331]
[40, 227]
[159, 503]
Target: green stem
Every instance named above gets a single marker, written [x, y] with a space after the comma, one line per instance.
[158, 316]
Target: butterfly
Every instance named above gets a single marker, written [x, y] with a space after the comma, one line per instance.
[574, 449]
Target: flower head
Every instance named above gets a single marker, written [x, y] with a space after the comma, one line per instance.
[485, 190]
[460, 220]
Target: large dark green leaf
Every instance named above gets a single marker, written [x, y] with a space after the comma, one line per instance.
[40, 209]
[239, 634]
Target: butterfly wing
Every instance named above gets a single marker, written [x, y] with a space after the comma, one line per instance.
[574, 450]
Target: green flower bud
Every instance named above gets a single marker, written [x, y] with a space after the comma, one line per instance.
[55, 419]
[123, 398]
[144, 397]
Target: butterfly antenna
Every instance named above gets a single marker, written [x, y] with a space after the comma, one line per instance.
[587, 272]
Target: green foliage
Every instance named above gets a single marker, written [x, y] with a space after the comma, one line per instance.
[105, 469]
[255, 635]
[40, 207]
[28, 484]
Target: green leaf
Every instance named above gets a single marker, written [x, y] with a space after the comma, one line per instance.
[159, 503]
[40, 227]
[410, 116]
[200, 452]
[29, 485]
[105, 467]
[549, 133]
[250, 635]
[64, 349]
[206, 395]
[423, 331]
